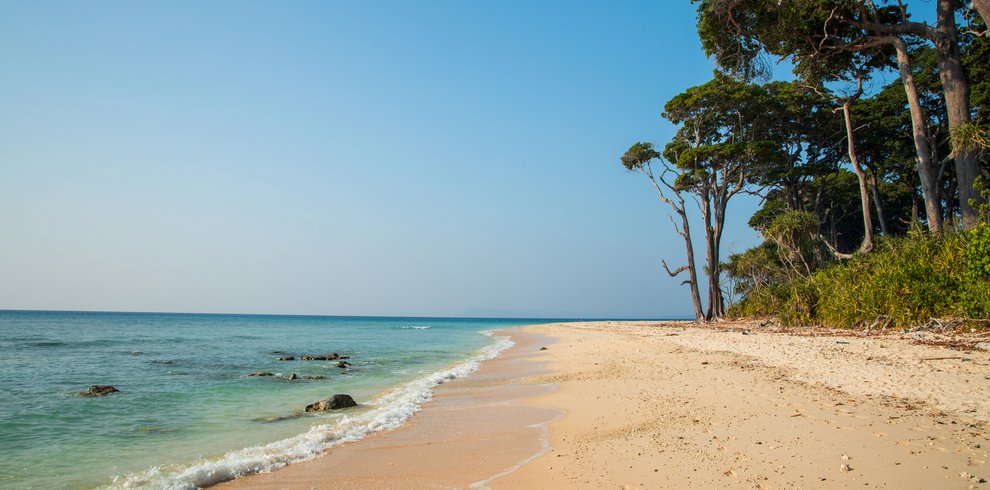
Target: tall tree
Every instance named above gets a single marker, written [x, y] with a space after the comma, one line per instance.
[721, 143]
[639, 158]
[738, 32]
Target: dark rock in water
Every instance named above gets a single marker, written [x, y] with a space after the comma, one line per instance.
[543, 348]
[163, 361]
[99, 390]
[333, 356]
[277, 353]
[286, 358]
[314, 377]
[335, 402]
[344, 357]
[135, 353]
[292, 376]
[262, 374]
[343, 364]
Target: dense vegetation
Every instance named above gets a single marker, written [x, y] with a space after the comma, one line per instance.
[872, 207]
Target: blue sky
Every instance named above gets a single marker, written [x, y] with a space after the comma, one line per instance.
[372, 158]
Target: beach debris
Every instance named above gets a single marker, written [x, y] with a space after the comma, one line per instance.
[335, 402]
[845, 467]
[343, 364]
[262, 373]
[333, 356]
[747, 332]
[543, 348]
[285, 358]
[98, 390]
[845, 457]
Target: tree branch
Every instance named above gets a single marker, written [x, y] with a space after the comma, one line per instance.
[676, 271]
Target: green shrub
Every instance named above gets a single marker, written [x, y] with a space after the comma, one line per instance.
[976, 286]
[907, 279]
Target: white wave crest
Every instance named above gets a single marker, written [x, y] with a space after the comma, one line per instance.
[417, 327]
[390, 411]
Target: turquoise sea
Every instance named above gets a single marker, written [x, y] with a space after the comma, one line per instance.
[188, 414]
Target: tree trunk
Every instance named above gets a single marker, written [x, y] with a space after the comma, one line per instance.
[927, 170]
[864, 195]
[715, 270]
[876, 203]
[956, 90]
[699, 314]
[706, 213]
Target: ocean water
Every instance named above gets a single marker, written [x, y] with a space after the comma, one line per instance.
[187, 414]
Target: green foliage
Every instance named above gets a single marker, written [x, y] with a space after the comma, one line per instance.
[971, 136]
[638, 155]
[907, 279]
[976, 293]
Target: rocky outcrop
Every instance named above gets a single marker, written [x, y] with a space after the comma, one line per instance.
[314, 377]
[343, 364]
[98, 390]
[262, 373]
[285, 358]
[292, 376]
[335, 402]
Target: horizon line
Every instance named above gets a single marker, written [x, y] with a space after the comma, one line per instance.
[313, 315]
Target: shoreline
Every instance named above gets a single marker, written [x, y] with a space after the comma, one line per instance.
[670, 405]
[483, 420]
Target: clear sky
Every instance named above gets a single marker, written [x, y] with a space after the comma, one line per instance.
[368, 158]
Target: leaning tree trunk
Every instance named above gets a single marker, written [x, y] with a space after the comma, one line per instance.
[956, 90]
[864, 193]
[927, 170]
[699, 314]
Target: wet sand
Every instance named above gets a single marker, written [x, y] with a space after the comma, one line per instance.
[472, 431]
[645, 405]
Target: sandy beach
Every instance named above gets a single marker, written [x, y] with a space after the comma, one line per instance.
[650, 405]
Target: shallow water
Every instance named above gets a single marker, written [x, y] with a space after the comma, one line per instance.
[187, 413]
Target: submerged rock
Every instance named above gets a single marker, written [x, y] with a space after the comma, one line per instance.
[343, 364]
[333, 356]
[286, 358]
[292, 376]
[98, 390]
[314, 377]
[263, 373]
[335, 402]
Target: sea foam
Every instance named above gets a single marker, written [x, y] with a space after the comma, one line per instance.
[390, 411]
